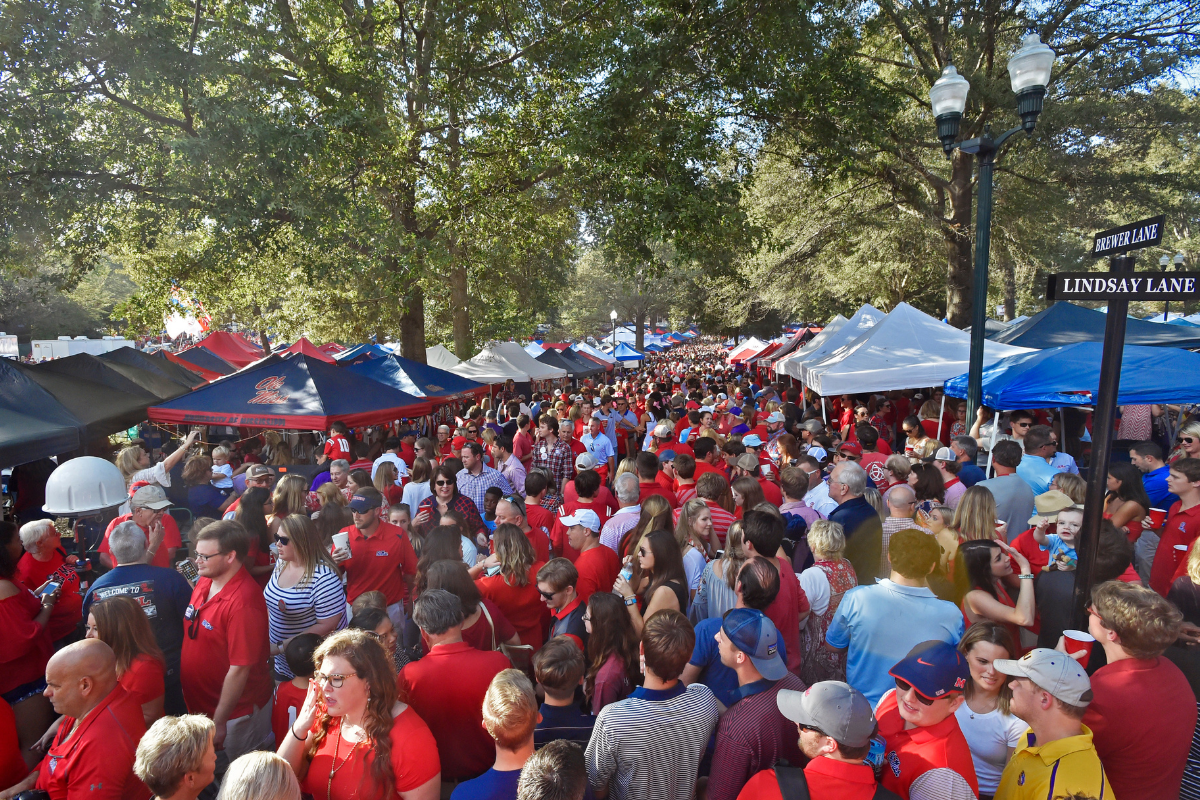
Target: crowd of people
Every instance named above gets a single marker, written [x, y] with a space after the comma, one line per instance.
[683, 581]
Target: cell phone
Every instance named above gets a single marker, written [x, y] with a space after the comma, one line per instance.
[188, 570]
[49, 588]
[490, 571]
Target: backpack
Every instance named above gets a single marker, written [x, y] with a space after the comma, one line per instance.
[794, 786]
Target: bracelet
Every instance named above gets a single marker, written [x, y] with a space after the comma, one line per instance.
[292, 728]
[1026, 577]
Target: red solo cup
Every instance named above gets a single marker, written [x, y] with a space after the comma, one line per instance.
[1079, 640]
[1157, 517]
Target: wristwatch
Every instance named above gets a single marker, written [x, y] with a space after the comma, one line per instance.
[630, 600]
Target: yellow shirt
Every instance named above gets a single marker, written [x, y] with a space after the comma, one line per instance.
[1057, 769]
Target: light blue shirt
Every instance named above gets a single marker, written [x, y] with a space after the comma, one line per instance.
[600, 446]
[880, 624]
[1063, 462]
[1037, 472]
[1056, 546]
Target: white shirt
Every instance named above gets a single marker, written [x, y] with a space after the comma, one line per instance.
[818, 498]
[815, 584]
[401, 467]
[989, 737]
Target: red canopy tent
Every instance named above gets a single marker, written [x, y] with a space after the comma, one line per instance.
[234, 349]
[331, 348]
[303, 345]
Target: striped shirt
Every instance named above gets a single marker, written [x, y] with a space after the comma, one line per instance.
[476, 486]
[292, 611]
[615, 527]
[650, 744]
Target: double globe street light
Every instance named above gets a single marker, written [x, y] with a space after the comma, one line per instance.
[1029, 72]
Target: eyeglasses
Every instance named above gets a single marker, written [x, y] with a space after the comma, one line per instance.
[335, 681]
[904, 686]
[443, 483]
[282, 539]
[202, 558]
[587, 616]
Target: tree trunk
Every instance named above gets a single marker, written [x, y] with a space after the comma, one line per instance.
[412, 324]
[960, 268]
[460, 307]
[265, 342]
[639, 329]
[1010, 290]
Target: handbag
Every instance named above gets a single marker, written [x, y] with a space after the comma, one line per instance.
[519, 655]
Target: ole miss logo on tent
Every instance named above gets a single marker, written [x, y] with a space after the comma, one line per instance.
[268, 392]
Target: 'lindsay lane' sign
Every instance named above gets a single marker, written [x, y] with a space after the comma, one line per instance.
[1130, 286]
[1134, 236]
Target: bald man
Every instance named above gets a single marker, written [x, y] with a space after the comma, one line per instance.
[92, 754]
[902, 508]
[511, 510]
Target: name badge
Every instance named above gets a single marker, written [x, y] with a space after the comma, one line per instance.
[381, 553]
[190, 612]
[207, 625]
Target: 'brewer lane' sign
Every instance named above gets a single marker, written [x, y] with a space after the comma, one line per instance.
[1130, 286]
[1146, 233]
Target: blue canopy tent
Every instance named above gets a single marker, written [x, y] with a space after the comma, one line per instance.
[297, 393]
[207, 359]
[1066, 323]
[360, 353]
[1070, 376]
[655, 348]
[417, 379]
[624, 352]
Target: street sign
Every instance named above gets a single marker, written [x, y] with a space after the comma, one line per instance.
[1128, 286]
[1134, 236]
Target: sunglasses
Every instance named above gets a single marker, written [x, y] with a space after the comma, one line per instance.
[548, 595]
[282, 539]
[443, 483]
[1022, 424]
[904, 686]
[1187, 440]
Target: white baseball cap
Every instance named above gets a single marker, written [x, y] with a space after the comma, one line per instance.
[582, 516]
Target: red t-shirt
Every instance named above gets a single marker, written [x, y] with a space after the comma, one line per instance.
[1027, 546]
[558, 534]
[598, 568]
[379, 562]
[604, 497]
[541, 520]
[771, 491]
[523, 450]
[12, 765]
[414, 759]
[911, 753]
[479, 635]
[873, 464]
[825, 778]
[521, 604]
[1142, 717]
[785, 611]
[69, 608]
[228, 629]
[288, 700]
[27, 645]
[647, 488]
[703, 467]
[337, 447]
[446, 688]
[171, 539]
[1181, 527]
[144, 679]
[96, 762]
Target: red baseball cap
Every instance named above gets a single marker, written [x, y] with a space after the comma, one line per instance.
[850, 447]
[458, 442]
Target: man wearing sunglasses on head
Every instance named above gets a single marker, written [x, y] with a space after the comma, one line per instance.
[926, 754]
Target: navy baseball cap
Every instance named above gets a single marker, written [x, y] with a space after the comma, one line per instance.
[934, 668]
[362, 503]
[750, 631]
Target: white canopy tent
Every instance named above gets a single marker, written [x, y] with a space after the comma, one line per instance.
[823, 345]
[440, 357]
[501, 361]
[906, 350]
[747, 348]
[584, 347]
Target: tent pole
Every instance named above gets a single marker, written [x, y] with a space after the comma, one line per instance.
[1062, 431]
[941, 416]
[824, 412]
[992, 447]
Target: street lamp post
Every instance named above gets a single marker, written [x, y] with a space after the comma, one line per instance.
[1029, 73]
[613, 317]
[1163, 263]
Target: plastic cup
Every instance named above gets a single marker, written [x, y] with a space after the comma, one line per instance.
[1157, 517]
[341, 541]
[1079, 640]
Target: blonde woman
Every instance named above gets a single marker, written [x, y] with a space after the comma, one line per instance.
[695, 535]
[176, 758]
[825, 583]
[330, 493]
[627, 465]
[259, 776]
[134, 464]
[975, 516]
[655, 515]
[304, 593]
[1071, 485]
[941, 519]
[718, 584]
[514, 589]
[290, 497]
[1187, 441]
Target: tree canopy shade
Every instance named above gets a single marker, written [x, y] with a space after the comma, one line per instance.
[298, 392]
[1070, 376]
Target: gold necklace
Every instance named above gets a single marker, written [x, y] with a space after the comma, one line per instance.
[336, 747]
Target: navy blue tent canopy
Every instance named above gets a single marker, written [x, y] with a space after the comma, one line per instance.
[360, 353]
[582, 364]
[1066, 323]
[160, 366]
[1070, 376]
[297, 393]
[203, 357]
[33, 424]
[417, 379]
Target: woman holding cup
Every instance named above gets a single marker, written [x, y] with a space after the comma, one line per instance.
[446, 497]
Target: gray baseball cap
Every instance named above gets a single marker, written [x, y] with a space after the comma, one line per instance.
[1056, 672]
[151, 496]
[834, 708]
